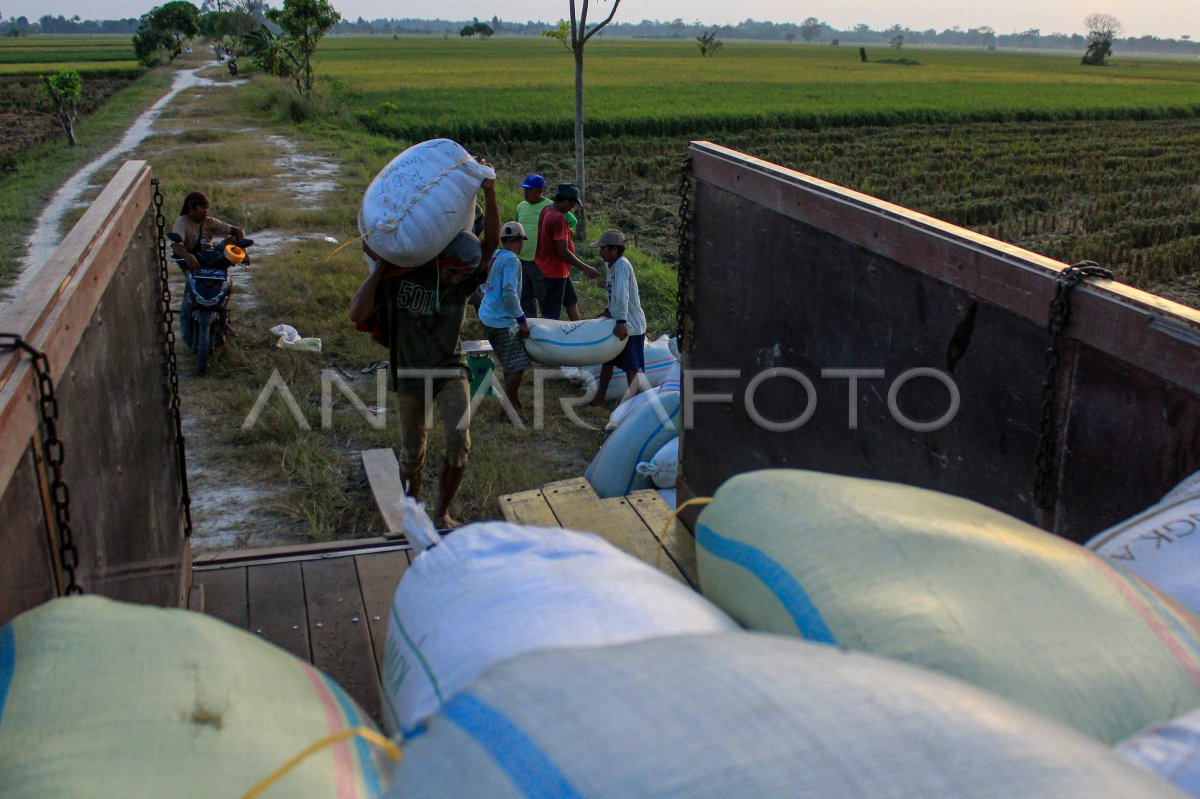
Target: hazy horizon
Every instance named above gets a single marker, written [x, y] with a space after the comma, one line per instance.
[1168, 20]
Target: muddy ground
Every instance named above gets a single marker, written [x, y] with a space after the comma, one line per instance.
[26, 119]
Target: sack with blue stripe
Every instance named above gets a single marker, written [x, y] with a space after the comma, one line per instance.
[1161, 544]
[493, 590]
[613, 472]
[952, 585]
[1171, 750]
[556, 343]
[108, 700]
[747, 715]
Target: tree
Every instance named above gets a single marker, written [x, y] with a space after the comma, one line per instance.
[303, 23]
[790, 37]
[709, 44]
[810, 29]
[468, 30]
[64, 91]
[580, 35]
[164, 29]
[560, 33]
[897, 41]
[270, 53]
[1102, 30]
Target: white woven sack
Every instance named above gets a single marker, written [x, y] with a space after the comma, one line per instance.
[613, 472]
[556, 343]
[494, 590]
[420, 201]
[1188, 487]
[748, 715]
[660, 364]
[110, 700]
[663, 467]
[1171, 750]
[623, 411]
[1161, 545]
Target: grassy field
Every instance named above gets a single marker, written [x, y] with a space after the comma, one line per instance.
[523, 89]
[44, 54]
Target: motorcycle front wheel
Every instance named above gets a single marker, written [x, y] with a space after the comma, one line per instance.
[202, 333]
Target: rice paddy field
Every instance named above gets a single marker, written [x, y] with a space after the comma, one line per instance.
[1032, 148]
[519, 89]
[42, 54]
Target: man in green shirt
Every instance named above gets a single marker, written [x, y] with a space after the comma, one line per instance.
[419, 313]
[528, 211]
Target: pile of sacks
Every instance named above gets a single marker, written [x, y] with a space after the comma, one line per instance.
[528, 662]
[642, 448]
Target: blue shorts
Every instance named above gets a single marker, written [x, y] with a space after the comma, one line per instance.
[633, 357]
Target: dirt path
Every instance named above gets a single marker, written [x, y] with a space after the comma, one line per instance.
[227, 509]
[46, 234]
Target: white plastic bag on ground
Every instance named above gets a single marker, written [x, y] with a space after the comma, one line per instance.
[111, 700]
[952, 585]
[420, 201]
[663, 467]
[613, 472]
[491, 591]
[1161, 545]
[746, 715]
[1171, 750]
[556, 343]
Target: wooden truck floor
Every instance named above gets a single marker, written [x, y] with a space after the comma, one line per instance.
[329, 603]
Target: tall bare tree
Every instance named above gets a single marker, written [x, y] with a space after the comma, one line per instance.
[580, 34]
[1102, 30]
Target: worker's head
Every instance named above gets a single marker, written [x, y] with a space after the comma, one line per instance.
[611, 245]
[195, 206]
[512, 236]
[566, 197]
[534, 187]
[459, 258]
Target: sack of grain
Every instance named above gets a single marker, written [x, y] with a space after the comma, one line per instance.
[1161, 545]
[663, 467]
[420, 201]
[494, 590]
[556, 343]
[1171, 750]
[111, 700]
[660, 364]
[613, 472]
[740, 714]
[952, 585]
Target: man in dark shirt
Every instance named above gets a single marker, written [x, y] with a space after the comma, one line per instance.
[419, 313]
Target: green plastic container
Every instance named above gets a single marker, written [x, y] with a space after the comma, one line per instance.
[480, 367]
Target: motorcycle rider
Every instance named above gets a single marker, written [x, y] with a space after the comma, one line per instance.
[194, 226]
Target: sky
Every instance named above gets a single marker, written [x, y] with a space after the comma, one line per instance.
[1164, 18]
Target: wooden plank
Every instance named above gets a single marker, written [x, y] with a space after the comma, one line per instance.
[338, 629]
[679, 542]
[378, 575]
[226, 596]
[276, 607]
[383, 473]
[353, 546]
[528, 507]
[576, 505]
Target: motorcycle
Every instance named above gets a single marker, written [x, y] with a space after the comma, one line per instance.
[204, 309]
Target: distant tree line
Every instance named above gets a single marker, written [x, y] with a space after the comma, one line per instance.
[810, 31]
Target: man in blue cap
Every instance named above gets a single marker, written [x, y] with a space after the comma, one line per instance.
[528, 211]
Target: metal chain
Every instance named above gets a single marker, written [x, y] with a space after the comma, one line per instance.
[60, 497]
[683, 299]
[1044, 489]
[167, 320]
